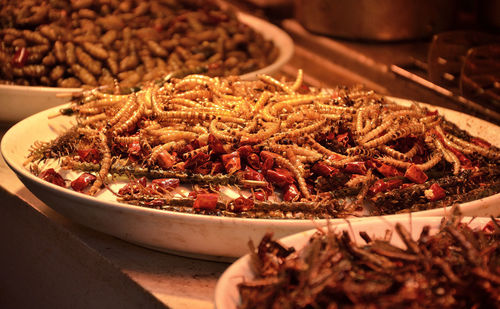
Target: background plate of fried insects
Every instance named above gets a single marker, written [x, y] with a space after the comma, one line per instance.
[18, 102]
[204, 236]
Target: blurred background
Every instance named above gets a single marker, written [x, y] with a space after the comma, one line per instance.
[442, 52]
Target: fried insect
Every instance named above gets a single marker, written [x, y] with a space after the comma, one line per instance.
[278, 145]
[456, 267]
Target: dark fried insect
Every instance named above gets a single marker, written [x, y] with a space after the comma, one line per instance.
[456, 268]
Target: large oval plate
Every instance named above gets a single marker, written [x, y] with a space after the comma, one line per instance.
[188, 234]
[18, 102]
[226, 290]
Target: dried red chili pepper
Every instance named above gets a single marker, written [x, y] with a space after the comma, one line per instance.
[217, 168]
[82, 182]
[291, 193]
[245, 151]
[204, 169]
[134, 148]
[279, 177]
[187, 148]
[343, 139]
[20, 57]
[232, 162]
[260, 195]
[248, 153]
[388, 171]
[267, 164]
[206, 201]
[89, 155]
[142, 181]
[394, 183]
[372, 164]
[241, 204]
[265, 155]
[251, 174]
[126, 189]
[356, 168]
[415, 174]
[383, 185]
[196, 160]
[52, 176]
[254, 160]
[193, 194]
[377, 187]
[165, 159]
[324, 170]
[215, 145]
[435, 192]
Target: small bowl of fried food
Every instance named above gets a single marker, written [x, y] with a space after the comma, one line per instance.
[375, 263]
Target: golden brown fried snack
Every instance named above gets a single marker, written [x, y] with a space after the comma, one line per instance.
[95, 41]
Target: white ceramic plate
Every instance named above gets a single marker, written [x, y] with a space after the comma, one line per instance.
[187, 234]
[226, 290]
[19, 102]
